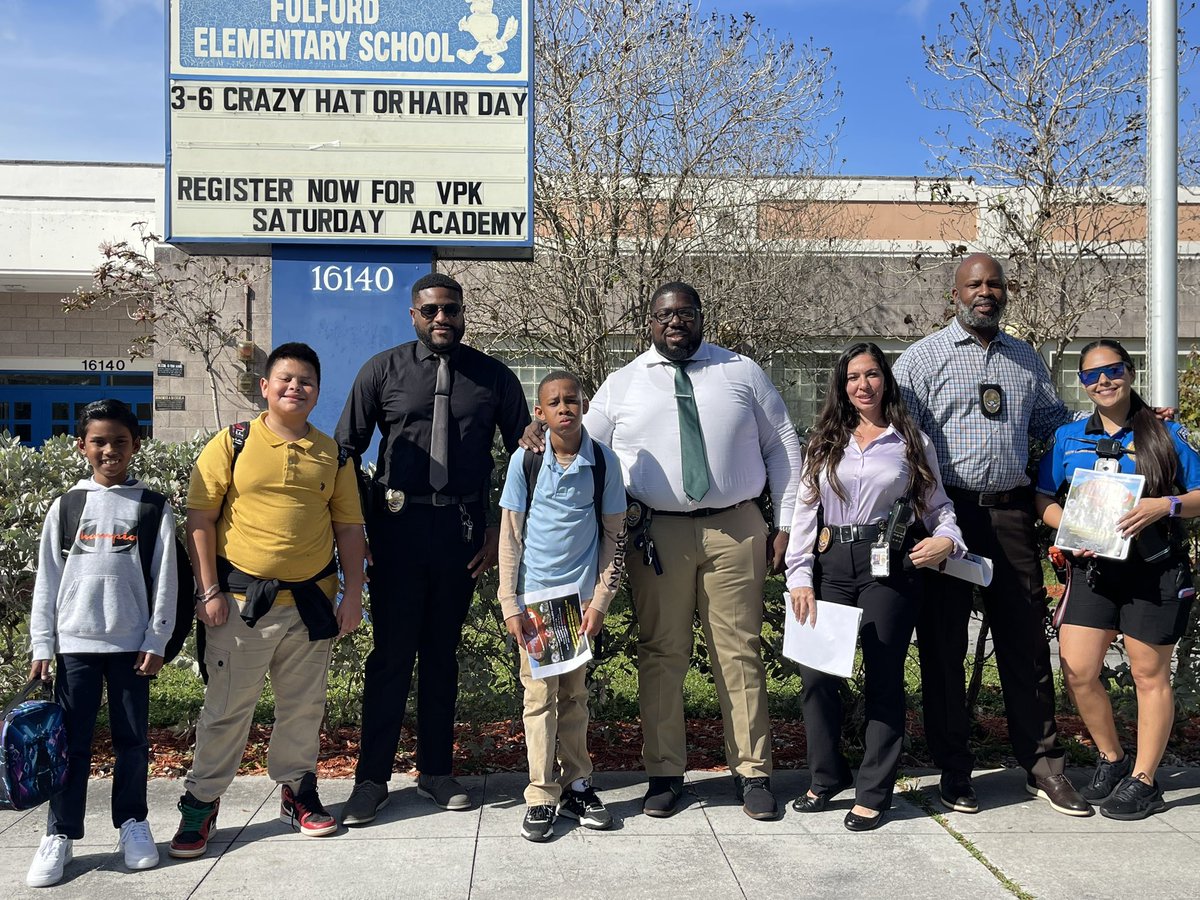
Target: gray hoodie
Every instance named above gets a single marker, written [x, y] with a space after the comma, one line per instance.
[94, 601]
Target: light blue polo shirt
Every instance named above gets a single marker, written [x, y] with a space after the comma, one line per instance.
[562, 542]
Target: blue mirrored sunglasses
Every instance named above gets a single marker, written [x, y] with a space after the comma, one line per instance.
[1088, 377]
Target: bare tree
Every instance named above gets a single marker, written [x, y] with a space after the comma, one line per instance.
[1046, 131]
[191, 301]
[669, 145]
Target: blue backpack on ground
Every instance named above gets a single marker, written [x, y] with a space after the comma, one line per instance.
[33, 741]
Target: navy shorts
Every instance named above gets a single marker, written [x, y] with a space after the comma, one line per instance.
[1148, 602]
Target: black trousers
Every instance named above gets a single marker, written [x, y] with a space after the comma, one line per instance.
[1016, 609]
[421, 589]
[77, 688]
[889, 605]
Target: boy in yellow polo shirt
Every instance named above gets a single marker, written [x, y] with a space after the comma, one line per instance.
[262, 526]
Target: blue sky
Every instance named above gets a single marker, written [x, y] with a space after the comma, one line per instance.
[83, 79]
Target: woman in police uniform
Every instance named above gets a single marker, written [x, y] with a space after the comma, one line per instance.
[864, 455]
[1145, 597]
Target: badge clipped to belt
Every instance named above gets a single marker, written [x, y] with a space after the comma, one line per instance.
[395, 500]
[991, 400]
[824, 539]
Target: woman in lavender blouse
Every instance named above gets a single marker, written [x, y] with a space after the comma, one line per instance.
[865, 453]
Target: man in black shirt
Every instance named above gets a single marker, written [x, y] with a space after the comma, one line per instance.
[437, 404]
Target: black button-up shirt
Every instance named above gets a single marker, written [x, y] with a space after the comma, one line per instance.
[394, 393]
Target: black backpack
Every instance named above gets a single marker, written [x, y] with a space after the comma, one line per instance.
[70, 511]
[532, 465]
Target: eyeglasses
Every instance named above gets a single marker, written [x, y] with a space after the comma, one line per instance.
[430, 310]
[685, 313]
[1113, 371]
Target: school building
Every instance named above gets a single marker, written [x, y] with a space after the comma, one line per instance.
[55, 215]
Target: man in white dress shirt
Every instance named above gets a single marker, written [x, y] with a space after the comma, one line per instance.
[700, 431]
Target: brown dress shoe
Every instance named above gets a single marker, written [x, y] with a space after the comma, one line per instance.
[1061, 793]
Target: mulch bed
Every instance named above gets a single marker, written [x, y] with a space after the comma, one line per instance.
[615, 747]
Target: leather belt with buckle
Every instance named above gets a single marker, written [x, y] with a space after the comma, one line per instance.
[852, 534]
[443, 499]
[697, 513]
[989, 499]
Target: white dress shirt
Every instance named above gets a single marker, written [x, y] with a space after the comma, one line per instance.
[748, 436]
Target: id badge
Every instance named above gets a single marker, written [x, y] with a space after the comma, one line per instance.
[880, 563]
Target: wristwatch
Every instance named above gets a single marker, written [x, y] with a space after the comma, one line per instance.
[1176, 507]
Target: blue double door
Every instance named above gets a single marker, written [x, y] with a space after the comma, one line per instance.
[37, 405]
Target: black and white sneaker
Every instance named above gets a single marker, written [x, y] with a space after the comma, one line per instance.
[586, 807]
[538, 825]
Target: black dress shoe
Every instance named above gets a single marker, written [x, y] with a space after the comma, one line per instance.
[854, 822]
[663, 796]
[806, 803]
[956, 793]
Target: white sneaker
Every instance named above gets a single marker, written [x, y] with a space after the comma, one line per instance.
[138, 844]
[53, 853]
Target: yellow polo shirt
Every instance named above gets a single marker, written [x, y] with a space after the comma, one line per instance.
[280, 505]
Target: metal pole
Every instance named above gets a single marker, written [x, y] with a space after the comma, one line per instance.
[1162, 199]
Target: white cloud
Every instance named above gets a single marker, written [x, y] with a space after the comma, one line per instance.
[112, 11]
[915, 9]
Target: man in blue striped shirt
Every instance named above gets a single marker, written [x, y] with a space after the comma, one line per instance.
[980, 394]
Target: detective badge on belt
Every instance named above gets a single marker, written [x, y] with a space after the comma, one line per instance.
[824, 539]
[991, 399]
[395, 500]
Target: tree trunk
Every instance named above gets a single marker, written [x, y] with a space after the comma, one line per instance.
[215, 394]
[977, 663]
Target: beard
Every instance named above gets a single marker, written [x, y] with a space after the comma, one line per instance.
[441, 345]
[678, 352]
[969, 318]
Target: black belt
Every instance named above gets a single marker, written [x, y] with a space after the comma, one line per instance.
[697, 513]
[852, 534]
[443, 499]
[1016, 497]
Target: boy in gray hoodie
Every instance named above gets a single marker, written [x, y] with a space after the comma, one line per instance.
[92, 614]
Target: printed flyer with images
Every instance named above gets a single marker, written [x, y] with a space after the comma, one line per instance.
[1095, 503]
[553, 641]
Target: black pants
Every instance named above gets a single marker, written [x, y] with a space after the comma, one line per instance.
[1016, 609]
[77, 688]
[889, 605]
[421, 589]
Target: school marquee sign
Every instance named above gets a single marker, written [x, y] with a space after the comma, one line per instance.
[369, 121]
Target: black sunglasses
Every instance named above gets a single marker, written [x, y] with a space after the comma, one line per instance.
[1088, 377]
[430, 310]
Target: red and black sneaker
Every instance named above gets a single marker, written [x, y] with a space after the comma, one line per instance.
[197, 823]
[302, 809]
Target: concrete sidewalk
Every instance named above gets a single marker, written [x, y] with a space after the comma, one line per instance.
[1016, 846]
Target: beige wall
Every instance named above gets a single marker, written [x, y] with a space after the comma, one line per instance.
[35, 325]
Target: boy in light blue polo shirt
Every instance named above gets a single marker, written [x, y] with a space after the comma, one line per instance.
[558, 541]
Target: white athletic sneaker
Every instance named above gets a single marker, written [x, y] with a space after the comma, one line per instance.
[138, 844]
[52, 855]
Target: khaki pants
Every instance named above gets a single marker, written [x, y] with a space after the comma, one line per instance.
[715, 566]
[238, 658]
[556, 712]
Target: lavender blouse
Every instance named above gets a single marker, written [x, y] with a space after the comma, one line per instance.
[873, 478]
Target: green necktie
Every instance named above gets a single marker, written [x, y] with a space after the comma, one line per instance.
[691, 438]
